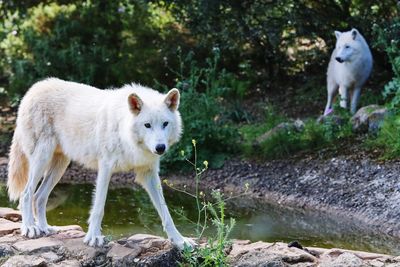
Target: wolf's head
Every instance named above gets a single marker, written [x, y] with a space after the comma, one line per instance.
[157, 123]
[348, 45]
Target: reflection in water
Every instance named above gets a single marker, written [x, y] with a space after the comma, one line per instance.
[129, 211]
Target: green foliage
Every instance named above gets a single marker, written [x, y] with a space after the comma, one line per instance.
[203, 108]
[288, 139]
[98, 43]
[276, 37]
[387, 38]
[388, 138]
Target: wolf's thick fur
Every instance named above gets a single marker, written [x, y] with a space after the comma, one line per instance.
[349, 68]
[107, 130]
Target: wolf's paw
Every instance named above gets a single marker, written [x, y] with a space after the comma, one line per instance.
[31, 231]
[184, 242]
[47, 229]
[94, 240]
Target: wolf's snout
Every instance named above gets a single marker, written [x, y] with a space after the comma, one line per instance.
[339, 59]
[160, 149]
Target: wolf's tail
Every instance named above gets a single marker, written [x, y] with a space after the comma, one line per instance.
[18, 167]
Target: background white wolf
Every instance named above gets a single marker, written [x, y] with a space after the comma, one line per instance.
[349, 68]
[106, 130]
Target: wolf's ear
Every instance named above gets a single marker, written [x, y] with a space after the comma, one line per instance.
[338, 33]
[135, 103]
[172, 99]
[354, 33]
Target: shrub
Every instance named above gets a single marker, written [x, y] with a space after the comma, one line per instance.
[104, 44]
[203, 108]
[387, 39]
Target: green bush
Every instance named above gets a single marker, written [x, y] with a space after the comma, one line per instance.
[388, 138]
[104, 44]
[204, 111]
[387, 39]
[276, 37]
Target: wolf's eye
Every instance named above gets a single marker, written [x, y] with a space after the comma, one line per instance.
[347, 46]
[165, 124]
[147, 125]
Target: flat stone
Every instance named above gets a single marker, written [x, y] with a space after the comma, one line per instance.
[275, 254]
[66, 263]
[10, 238]
[38, 245]
[121, 255]
[69, 228]
[6, 250]
[79, 250]
[3, 161]
[67, 232]
[345, 259]
[50, 256]
[8, 227]
[369, 118]
[25, 261]
[10, 214]
[144, 242]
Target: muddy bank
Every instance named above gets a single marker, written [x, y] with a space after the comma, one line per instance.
[355, 186]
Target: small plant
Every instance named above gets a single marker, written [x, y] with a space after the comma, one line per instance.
[211, 253]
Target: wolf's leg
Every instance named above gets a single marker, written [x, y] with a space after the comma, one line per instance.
[332, 90]
[354, 99]
[93, 236]
[57, 167]
[38, 163]
[151, 183]
[344, 96]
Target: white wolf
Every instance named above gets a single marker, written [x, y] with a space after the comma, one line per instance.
[349, 68]
[107, 130]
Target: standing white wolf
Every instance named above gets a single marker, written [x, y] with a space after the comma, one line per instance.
[105, 130]
[349, 68]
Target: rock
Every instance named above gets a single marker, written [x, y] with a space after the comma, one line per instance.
[121, 255]
[3, 161]
[297, 125]
[267, 254]
[38, 245]
[8, 227]
[25, 261]
[154, 250]
[144, 242]
[369, 119]
[10, 238]
[10, 214]
[75, 248]
[66, 263]
[344, 259]
[331, 118]
[50, 256]
[6, 250]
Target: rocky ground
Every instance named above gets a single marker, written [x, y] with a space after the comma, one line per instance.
[66, 248]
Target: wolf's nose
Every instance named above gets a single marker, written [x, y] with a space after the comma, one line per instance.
[160, 148]
[339, 59]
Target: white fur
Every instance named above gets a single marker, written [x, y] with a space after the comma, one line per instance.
[60, 121]
[352, 72]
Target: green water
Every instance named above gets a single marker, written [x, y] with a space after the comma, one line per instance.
[129, 211]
